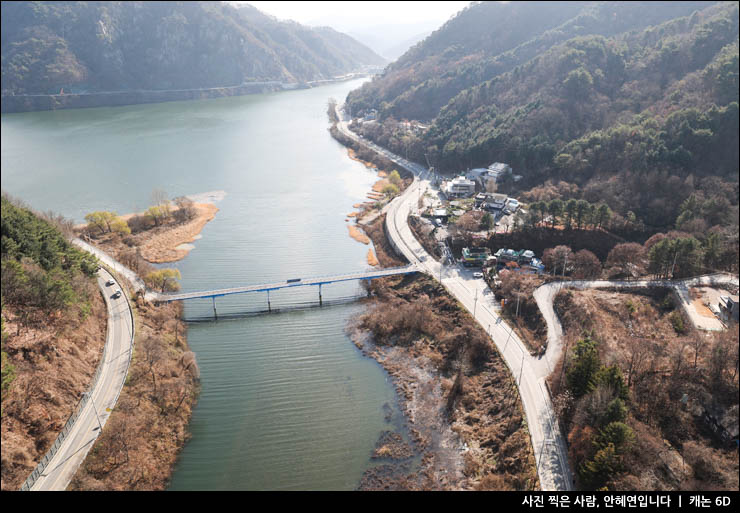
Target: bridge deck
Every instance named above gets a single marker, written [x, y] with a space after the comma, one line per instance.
[321, 280]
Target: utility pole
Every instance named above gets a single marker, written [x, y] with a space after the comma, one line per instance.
[507, 339]
[521, 369]
[89, 395]
[673, 267]
[565, 264]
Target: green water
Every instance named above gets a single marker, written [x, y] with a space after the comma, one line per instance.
[287, 401]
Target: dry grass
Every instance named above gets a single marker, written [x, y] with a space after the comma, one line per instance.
[425, 339]
[353, 155]
[385, 253]
[55, 362]
[380, 185]
[659, 364]
[139, 445]
[160, 245]
[521, 310]
[357, 234]
[371, 258]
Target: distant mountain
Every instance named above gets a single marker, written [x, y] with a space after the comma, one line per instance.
[106, 46]
[393, 40]
[634, 103]
[398, 49]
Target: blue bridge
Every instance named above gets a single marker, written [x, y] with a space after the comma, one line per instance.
[291, 283]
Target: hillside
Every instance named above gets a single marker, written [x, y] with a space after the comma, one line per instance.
[639, 391]
[53, 331]
[114, 46]
[634, 104]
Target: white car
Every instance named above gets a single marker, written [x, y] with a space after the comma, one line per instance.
[109, 283]
[477, 275]
[116, 294]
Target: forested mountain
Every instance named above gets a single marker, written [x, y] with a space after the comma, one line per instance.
[112, 46]
[53, 330]
[632, 103]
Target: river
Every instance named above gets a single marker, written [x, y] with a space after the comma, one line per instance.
[287, 401]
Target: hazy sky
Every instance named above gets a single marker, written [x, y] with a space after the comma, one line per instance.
[344, 15]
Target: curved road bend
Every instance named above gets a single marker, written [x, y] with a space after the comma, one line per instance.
[545, 295]
[547, 441]
[81, 437]
[136, 282]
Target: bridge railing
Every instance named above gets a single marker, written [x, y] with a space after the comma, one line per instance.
[311, 282]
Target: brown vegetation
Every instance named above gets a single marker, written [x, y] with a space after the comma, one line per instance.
[148, 427]
[157, 237]
[55, 358]
[455, 389]
[423, 233]
[385, 253]
[357, 234]
[371, 258]
[521, 310]
[682, 385]
[600, 242]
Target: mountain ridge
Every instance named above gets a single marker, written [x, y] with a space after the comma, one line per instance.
[112, 46]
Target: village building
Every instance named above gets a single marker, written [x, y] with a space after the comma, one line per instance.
[476, 257]
[460, 187]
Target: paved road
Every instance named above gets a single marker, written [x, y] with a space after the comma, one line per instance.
[545, 294]
[119, 342]
[136, 282]
[547, 441]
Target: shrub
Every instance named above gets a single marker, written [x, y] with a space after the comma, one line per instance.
[677, 322]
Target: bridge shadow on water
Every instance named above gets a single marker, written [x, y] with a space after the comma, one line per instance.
[284, 308]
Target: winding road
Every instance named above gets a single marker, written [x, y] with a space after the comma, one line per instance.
[545, 295]
[81, 436]
[547, 441]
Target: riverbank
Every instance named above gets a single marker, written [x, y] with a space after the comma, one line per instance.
[459, 398]
[169, 242]
[33, 103]
[41, 102]
[148, 428]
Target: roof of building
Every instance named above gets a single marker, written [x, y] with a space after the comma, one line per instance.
[461, 180]
[499, 166]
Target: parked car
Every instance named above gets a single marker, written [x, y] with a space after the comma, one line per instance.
[109, 283]
[116, 294]
[477, 275]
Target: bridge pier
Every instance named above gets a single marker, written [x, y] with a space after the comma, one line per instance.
[269, 308]
[321, 302]
[367, 282]
[215, 313]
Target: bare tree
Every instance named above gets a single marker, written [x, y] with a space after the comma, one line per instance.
[160, 199]
[637, 352]
[697, 343]
[185, 209]
[153, 349]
